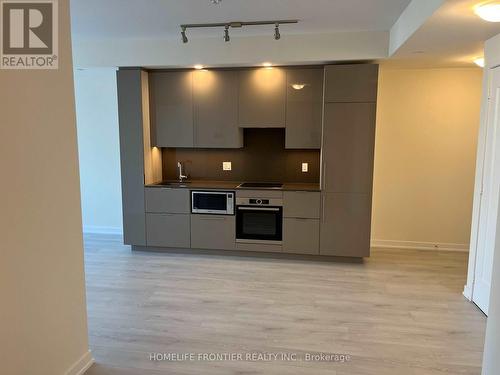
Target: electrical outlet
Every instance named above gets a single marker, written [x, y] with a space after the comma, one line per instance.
[305, 167]
[226, 165]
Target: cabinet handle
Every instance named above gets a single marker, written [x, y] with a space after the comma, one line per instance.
[323, 177]
[213, 218]
[323, 210]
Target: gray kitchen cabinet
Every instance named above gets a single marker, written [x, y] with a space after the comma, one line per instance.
[347, 159]
[213, 232]
[301, 204]
[215, 94]
[304, 106]
[130, 112]
[301, 236]
[168, 230]
[345, 224]
[262, 98]
[349, 140]
[351, 83]
[171, 101]
[167, 200]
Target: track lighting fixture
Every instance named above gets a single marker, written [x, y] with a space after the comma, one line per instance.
[183, 34]
[238, 24]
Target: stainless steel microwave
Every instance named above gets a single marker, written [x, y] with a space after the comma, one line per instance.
[212, 202]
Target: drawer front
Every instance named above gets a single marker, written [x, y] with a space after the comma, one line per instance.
[301, 204]
[257, 247]
[168, 230]
[165, 200]
[243, 193]
[301, 236]
[213, 232]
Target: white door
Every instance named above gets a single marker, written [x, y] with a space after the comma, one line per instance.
[489, 199]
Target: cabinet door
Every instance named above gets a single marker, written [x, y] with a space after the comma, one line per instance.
[216, 109]
[304, 106]
[345, 225]
[348, 146]
[171, 98]
[173, 201]
[261, 97]
[301, 236]
[351, 83]
[168, 230]
[213, 232]
[301, 204]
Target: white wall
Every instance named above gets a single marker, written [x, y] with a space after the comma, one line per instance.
[43, 324]
[99, 149]
[425, 151]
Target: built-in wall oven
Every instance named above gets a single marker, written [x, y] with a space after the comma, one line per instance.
[212, 202]
[259, 220]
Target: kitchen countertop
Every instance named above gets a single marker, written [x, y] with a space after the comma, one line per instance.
[233, 185]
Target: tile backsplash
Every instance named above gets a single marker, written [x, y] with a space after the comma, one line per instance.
[263, 158]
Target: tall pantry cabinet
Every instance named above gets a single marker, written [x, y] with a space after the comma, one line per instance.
[350, 102]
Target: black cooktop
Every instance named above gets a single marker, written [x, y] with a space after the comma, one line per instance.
[261, 185]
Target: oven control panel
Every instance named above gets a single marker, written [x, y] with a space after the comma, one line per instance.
[258, 201]
[277, 202]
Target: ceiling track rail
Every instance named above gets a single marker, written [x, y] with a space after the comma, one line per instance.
[235, 24]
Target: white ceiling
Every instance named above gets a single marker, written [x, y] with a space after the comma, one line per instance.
[161, 18]
[147, 32]
[452, 37]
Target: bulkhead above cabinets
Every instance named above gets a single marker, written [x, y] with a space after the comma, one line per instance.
[210, 108]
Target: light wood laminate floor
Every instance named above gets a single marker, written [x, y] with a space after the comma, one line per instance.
[399, 312]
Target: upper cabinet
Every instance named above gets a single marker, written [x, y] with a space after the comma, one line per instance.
[216, 109]
[353, 83]
[262, 98]
[304, 101]
[171, 98]
[210, 108]
[195, 109]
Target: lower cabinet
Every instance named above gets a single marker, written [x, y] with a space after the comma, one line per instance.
[167, 200]
[345, 224]
[301, 236]
[168, 230]
[213, 232]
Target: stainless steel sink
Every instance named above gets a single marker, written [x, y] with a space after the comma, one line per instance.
[176, 184]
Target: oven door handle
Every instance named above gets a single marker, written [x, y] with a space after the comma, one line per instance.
[258, 209]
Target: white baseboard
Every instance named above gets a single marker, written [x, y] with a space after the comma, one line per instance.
[82, 365]
[93, 229]
[413, 245]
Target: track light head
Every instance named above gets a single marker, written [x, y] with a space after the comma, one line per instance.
[277, 34]
[226, 33]
[183, 35]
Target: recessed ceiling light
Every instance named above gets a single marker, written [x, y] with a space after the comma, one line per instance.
[489, 12]
[479, 62]
[267, 64]
[198, 66]
[298, 86]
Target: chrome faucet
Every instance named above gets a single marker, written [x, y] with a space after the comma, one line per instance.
[181, 175]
